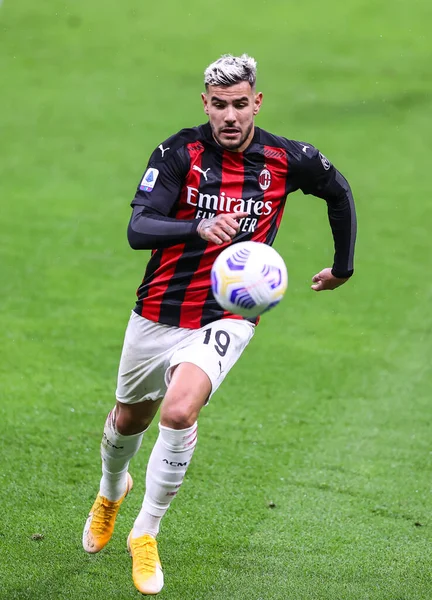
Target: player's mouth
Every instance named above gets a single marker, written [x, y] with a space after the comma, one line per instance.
[230, 132]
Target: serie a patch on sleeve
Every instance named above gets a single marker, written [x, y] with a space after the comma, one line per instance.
[148, 181]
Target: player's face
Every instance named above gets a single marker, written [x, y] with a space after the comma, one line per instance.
[231, 111]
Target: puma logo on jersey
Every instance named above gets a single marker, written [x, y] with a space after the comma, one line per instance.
[163, 150]
[196, 168]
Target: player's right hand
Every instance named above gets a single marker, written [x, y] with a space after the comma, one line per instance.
[220, 229]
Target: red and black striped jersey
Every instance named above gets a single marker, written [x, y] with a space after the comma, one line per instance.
[190, 177]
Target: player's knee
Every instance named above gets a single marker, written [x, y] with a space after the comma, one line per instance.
[178, 417]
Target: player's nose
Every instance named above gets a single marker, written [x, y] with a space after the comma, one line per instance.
[230, 116]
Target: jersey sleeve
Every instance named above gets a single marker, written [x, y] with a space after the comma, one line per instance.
[317, 176]
[153, 224]
[162, 181]
[313, 170]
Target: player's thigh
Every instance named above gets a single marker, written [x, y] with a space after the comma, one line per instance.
[146, 354]
[187, 392]
[214, 349]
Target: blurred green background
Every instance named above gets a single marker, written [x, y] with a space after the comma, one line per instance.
[327, 415]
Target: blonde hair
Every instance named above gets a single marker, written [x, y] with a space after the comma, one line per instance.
[229, 70]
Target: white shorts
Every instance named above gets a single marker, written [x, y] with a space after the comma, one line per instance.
[152, 350]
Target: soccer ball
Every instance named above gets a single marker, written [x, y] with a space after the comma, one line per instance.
[249, 278]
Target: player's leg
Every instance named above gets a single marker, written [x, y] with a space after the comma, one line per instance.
[140, 389]
[187, 393]
[122, 436]
[197, 369]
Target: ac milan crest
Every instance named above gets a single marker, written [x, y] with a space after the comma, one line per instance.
[264, 179]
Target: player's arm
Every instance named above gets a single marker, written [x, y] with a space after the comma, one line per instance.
[149, 229]
[152, 225]
[320, 178]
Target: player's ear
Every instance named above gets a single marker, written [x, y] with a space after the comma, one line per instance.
[257, 103]
[205, 103]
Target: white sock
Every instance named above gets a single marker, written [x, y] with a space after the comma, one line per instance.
[166, 469]
[116, 453]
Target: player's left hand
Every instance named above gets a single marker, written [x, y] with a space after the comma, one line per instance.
[325, 280]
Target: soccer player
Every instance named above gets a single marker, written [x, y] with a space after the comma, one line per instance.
[205, 187]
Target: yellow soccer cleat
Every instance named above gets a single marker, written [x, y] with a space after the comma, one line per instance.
[146, 568]
[100, 523]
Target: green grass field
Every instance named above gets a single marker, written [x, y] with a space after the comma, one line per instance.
[312, 477]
